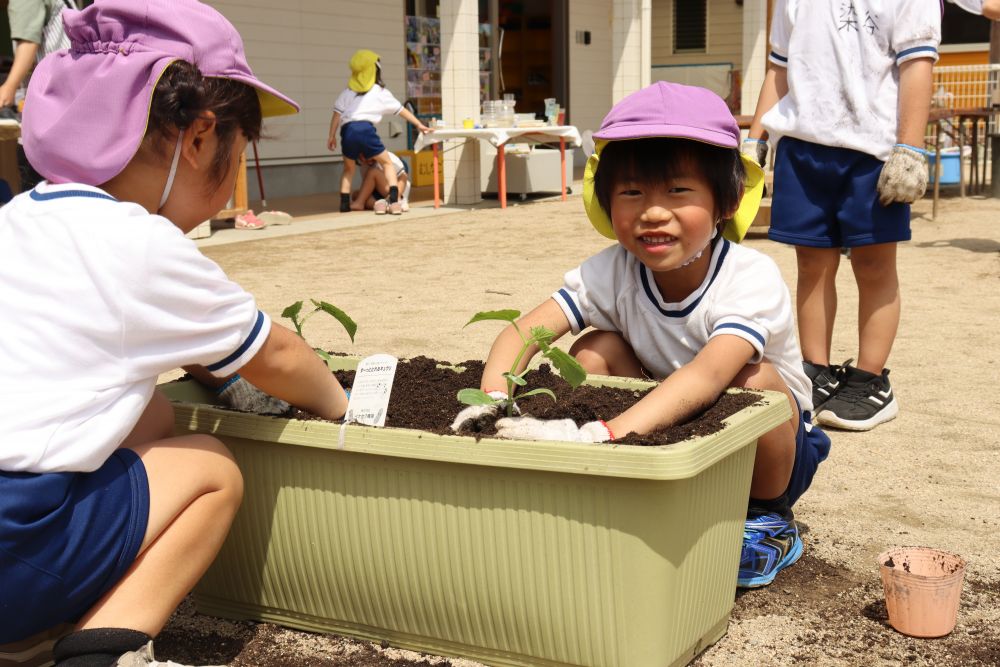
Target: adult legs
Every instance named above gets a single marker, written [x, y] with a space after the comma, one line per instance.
[816, 301]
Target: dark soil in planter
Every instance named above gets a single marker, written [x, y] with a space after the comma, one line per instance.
[424, 398]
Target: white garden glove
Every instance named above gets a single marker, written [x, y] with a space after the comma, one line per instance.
[239, 394]
[529, 428]
[468, 416]
[904, 176]
[756, 150]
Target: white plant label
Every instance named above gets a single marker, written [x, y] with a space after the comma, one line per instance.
[370, 393]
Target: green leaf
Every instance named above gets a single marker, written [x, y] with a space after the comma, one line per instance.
[542, 336]
[516, 379]
[568, 367]
[475, 397]
[540, 390]
[339, 315]
[501, 315]
[292, 311]
[324, 355]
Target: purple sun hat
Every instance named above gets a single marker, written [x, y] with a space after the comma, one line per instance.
[672, 110]
[87, 107]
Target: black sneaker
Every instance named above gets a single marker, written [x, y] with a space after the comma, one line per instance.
[863, 401]
[825, 380]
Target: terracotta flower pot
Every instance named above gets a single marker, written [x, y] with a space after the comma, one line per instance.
[922, 589]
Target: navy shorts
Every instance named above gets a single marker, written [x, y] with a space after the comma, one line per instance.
[65, 539]
[359, 138]
[812, 446]
[826, 197]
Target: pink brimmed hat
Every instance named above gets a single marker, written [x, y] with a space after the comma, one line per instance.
[87, 107]
[681, 112]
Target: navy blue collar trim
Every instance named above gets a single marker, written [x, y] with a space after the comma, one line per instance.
[61, 194]
[684, 312]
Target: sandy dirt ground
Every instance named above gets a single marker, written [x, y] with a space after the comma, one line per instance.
[930, 477]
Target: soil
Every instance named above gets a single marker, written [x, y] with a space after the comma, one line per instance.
[928, 478]
[424, 390]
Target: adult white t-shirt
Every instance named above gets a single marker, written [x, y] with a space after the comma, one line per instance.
[370, 106]
[842, 60]
[99, 298]
[742, 295]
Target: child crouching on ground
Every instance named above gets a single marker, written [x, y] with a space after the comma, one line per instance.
[374, 192]
[679, 301]
[107, 519]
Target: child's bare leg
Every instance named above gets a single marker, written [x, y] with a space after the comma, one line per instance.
[878, 303]
[606, 353]
[195, 489]
[388, 171]
[347, 176]
[772, 466]
[816, 301]
[360, 200]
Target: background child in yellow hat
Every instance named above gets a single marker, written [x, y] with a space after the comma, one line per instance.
[358, 108]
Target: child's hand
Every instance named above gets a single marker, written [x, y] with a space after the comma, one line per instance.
[904, 176]
[239, 394]
[331, 143]
[467, 418]
[529, 428]
[423, 128]
[756, 150]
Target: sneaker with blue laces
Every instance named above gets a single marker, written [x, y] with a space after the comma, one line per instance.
[771, 543]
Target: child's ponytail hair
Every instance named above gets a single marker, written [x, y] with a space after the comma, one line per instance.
[659, 159]
[182, 95]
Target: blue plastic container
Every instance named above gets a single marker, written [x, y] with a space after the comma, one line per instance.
[951, 168]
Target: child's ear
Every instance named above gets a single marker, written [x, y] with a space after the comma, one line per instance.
[196, 142]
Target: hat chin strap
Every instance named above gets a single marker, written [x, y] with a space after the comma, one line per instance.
[173, 170]
[697, 255]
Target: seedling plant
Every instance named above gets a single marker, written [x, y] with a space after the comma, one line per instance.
[568, 368]
[294, 313]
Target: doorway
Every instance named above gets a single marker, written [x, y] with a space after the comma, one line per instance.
[528, 41]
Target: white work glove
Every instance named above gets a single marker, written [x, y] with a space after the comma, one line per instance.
[239, 394]
[470, 415]
[904, 176]
[529, 428]
[756, 150]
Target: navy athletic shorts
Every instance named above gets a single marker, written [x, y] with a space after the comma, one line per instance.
[359, 138]
[826, 197]
[812, 446]
[65, 539]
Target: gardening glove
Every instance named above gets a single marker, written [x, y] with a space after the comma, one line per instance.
[470, 415]
[756, 150]
[904, 176]
[529, 428]
[239, 394]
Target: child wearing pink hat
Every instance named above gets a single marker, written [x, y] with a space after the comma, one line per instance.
[107, 520]
[678, 300]
[357, 109]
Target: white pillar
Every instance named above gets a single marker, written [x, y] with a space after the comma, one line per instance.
[631, 46]
[754, 52]
[460, 96]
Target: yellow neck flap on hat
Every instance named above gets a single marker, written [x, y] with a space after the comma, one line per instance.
[362, 71]
[735, 228]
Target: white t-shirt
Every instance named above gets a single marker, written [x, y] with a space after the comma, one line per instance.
[843, 76]
[742, 295]
[370, 106]
[99, 298]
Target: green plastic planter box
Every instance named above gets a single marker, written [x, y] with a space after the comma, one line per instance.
[511, 553]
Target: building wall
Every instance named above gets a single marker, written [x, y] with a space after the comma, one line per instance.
[590, 66]
[302, 48]
[724, 34]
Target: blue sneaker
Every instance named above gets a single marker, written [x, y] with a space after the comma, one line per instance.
[770, 544]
